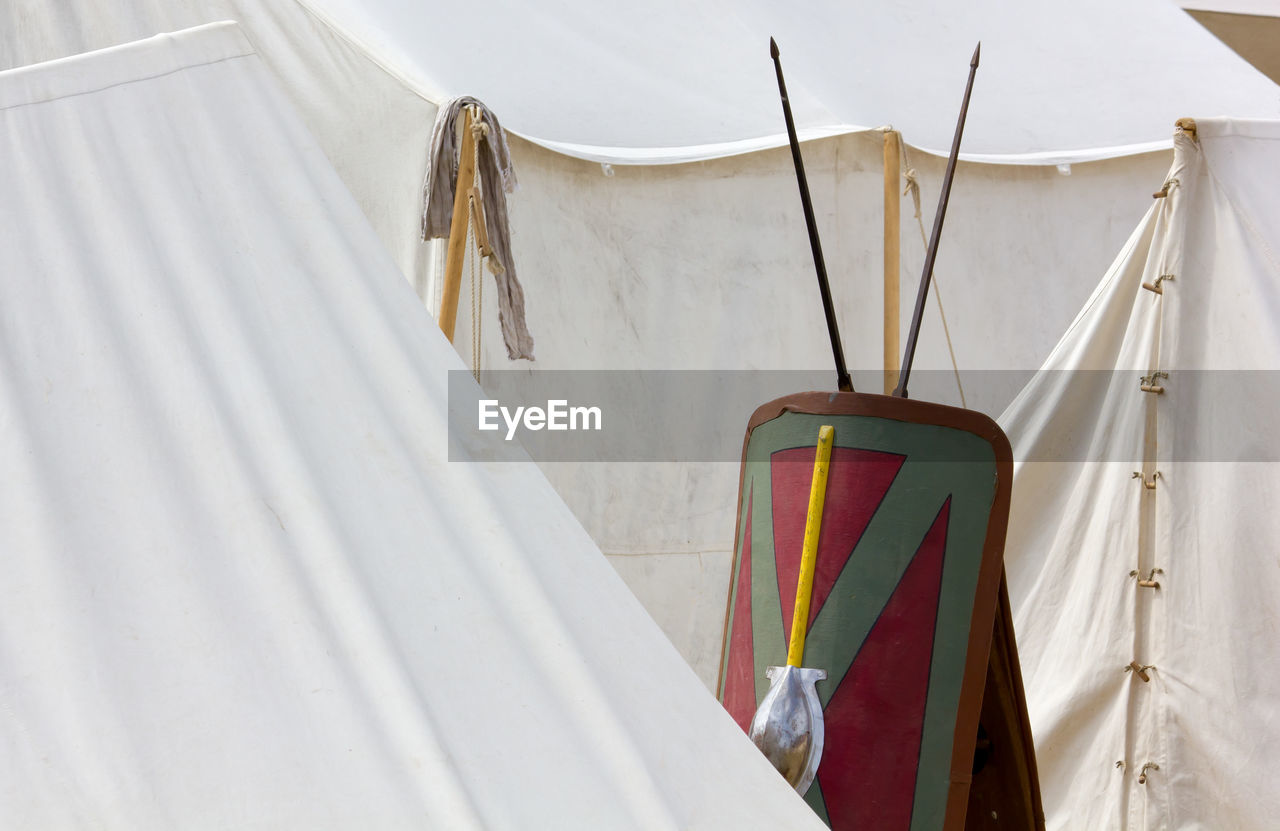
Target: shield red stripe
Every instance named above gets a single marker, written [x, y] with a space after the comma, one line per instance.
[880, 702]
[856, 485]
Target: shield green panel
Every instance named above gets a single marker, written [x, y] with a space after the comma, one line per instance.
[908, 568]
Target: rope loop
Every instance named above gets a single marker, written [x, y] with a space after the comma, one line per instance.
[912, 187]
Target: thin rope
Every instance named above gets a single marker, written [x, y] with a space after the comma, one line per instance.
[477, 302]
[913, 188]
[479, 130]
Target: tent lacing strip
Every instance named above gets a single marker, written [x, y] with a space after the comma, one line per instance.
[913, 187]
[1149, 384]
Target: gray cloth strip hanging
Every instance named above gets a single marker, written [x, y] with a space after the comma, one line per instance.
[494, 168]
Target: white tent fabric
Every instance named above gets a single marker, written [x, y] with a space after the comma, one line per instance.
[671, 81]
[1205, 728]
[373, 126]
[706, 264]
[626, 281]
[244, 586]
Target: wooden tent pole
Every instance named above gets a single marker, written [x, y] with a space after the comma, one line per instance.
[457, 251]
[892, 263]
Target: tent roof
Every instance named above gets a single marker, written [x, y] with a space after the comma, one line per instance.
[671, 81]
[245, 583]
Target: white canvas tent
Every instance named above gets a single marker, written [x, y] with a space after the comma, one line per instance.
[243, 584]
[648, 265]
[627, 84]
[603, 254]
[1186, 737]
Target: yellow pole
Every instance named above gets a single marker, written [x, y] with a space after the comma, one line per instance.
[809, 554]
[892, 265]
[457, 251]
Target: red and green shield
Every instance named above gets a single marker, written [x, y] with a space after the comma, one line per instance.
[905, 589]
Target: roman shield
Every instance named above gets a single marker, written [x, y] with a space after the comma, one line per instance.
[904, 594]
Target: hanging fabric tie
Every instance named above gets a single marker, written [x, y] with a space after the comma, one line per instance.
[1147, 383]
[496, 179]
[1140, 670]
[1149, 484]
[1150, 582]
[1164, 190]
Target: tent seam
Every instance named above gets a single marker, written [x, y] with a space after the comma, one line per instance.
[95, 90]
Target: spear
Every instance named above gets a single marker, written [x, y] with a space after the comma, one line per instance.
[927, 276]
[842, 374]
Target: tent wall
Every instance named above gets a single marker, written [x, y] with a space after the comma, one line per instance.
[707, 265]
[1193, 746]
[246, 582]
[698, 265]
[372, 125]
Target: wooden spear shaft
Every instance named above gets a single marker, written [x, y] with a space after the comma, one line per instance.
[843, 383]
[457, 251]
[892, 261]
[809, 552]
